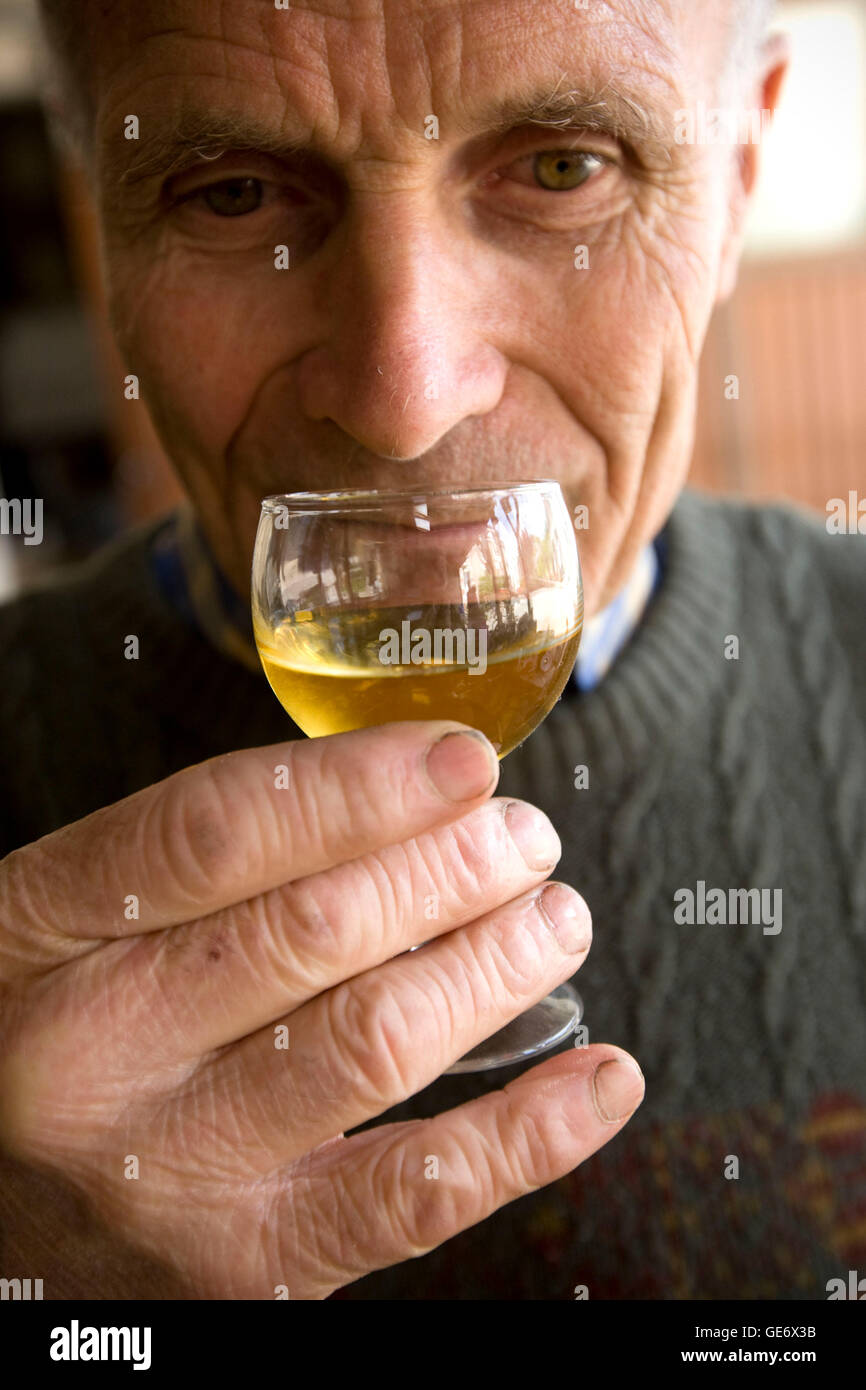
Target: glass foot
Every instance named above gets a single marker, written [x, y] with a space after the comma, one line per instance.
[540, 1028]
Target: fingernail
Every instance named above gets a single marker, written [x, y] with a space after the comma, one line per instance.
[533, 835]
[566, 912]
[462, 764]
[617, 1089]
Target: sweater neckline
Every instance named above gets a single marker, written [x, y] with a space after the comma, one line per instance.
[666, 674]
[674, 665]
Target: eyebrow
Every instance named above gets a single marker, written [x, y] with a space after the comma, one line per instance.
[606, 109]
[202, 135]
[163, 150]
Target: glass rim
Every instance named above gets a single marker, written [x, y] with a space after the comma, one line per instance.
[358, 497]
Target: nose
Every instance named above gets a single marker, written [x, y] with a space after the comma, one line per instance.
[401, 357]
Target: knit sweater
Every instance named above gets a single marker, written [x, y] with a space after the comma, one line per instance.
[708, 764]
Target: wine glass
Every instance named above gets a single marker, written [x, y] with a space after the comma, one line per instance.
[447, 603]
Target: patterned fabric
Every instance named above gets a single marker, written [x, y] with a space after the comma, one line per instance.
[703, 767]
[189, 576]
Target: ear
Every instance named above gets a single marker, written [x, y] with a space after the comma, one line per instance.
[774, 62]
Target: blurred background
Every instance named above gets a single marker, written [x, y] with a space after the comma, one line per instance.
[794, 333]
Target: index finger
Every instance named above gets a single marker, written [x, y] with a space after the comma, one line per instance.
[238, 825]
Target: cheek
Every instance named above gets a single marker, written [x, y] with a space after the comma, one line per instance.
[201, 341]
[644, 316]
[680, 250]
[643, 311]
[625, 326]
[664, 288]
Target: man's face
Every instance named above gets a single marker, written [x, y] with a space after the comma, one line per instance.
[437, 322]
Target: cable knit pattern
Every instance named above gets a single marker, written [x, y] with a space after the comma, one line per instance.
[738, 774]
[838, 731]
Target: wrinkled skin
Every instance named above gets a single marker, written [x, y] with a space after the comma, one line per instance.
[414, 261]
[152, 1037]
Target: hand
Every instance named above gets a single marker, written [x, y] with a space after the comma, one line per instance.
[141, 1059]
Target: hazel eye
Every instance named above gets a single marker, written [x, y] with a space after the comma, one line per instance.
[558, 171]
[233, 197]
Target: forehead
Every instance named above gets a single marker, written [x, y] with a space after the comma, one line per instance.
[351, 72]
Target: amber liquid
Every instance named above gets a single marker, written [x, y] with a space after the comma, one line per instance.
[328, 674]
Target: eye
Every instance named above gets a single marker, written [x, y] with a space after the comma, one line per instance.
[559, 171]
[233, 197]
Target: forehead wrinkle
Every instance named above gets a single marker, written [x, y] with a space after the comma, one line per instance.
[203, 128]
[602, 104]
[268, 53]
[617, 92]
[307, 89]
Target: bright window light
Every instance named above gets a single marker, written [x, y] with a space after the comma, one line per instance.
[812, 190]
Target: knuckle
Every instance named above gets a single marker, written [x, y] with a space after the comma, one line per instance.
[423, 1213]
[523, 1144]
[301, 922]
[372, 1033]
[469, 852]
[511, 951]
[358, 786]
[452, 989]
[373, 893]
[332, 916]
[191, 823]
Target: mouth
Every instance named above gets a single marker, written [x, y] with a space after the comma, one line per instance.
[340, 499]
